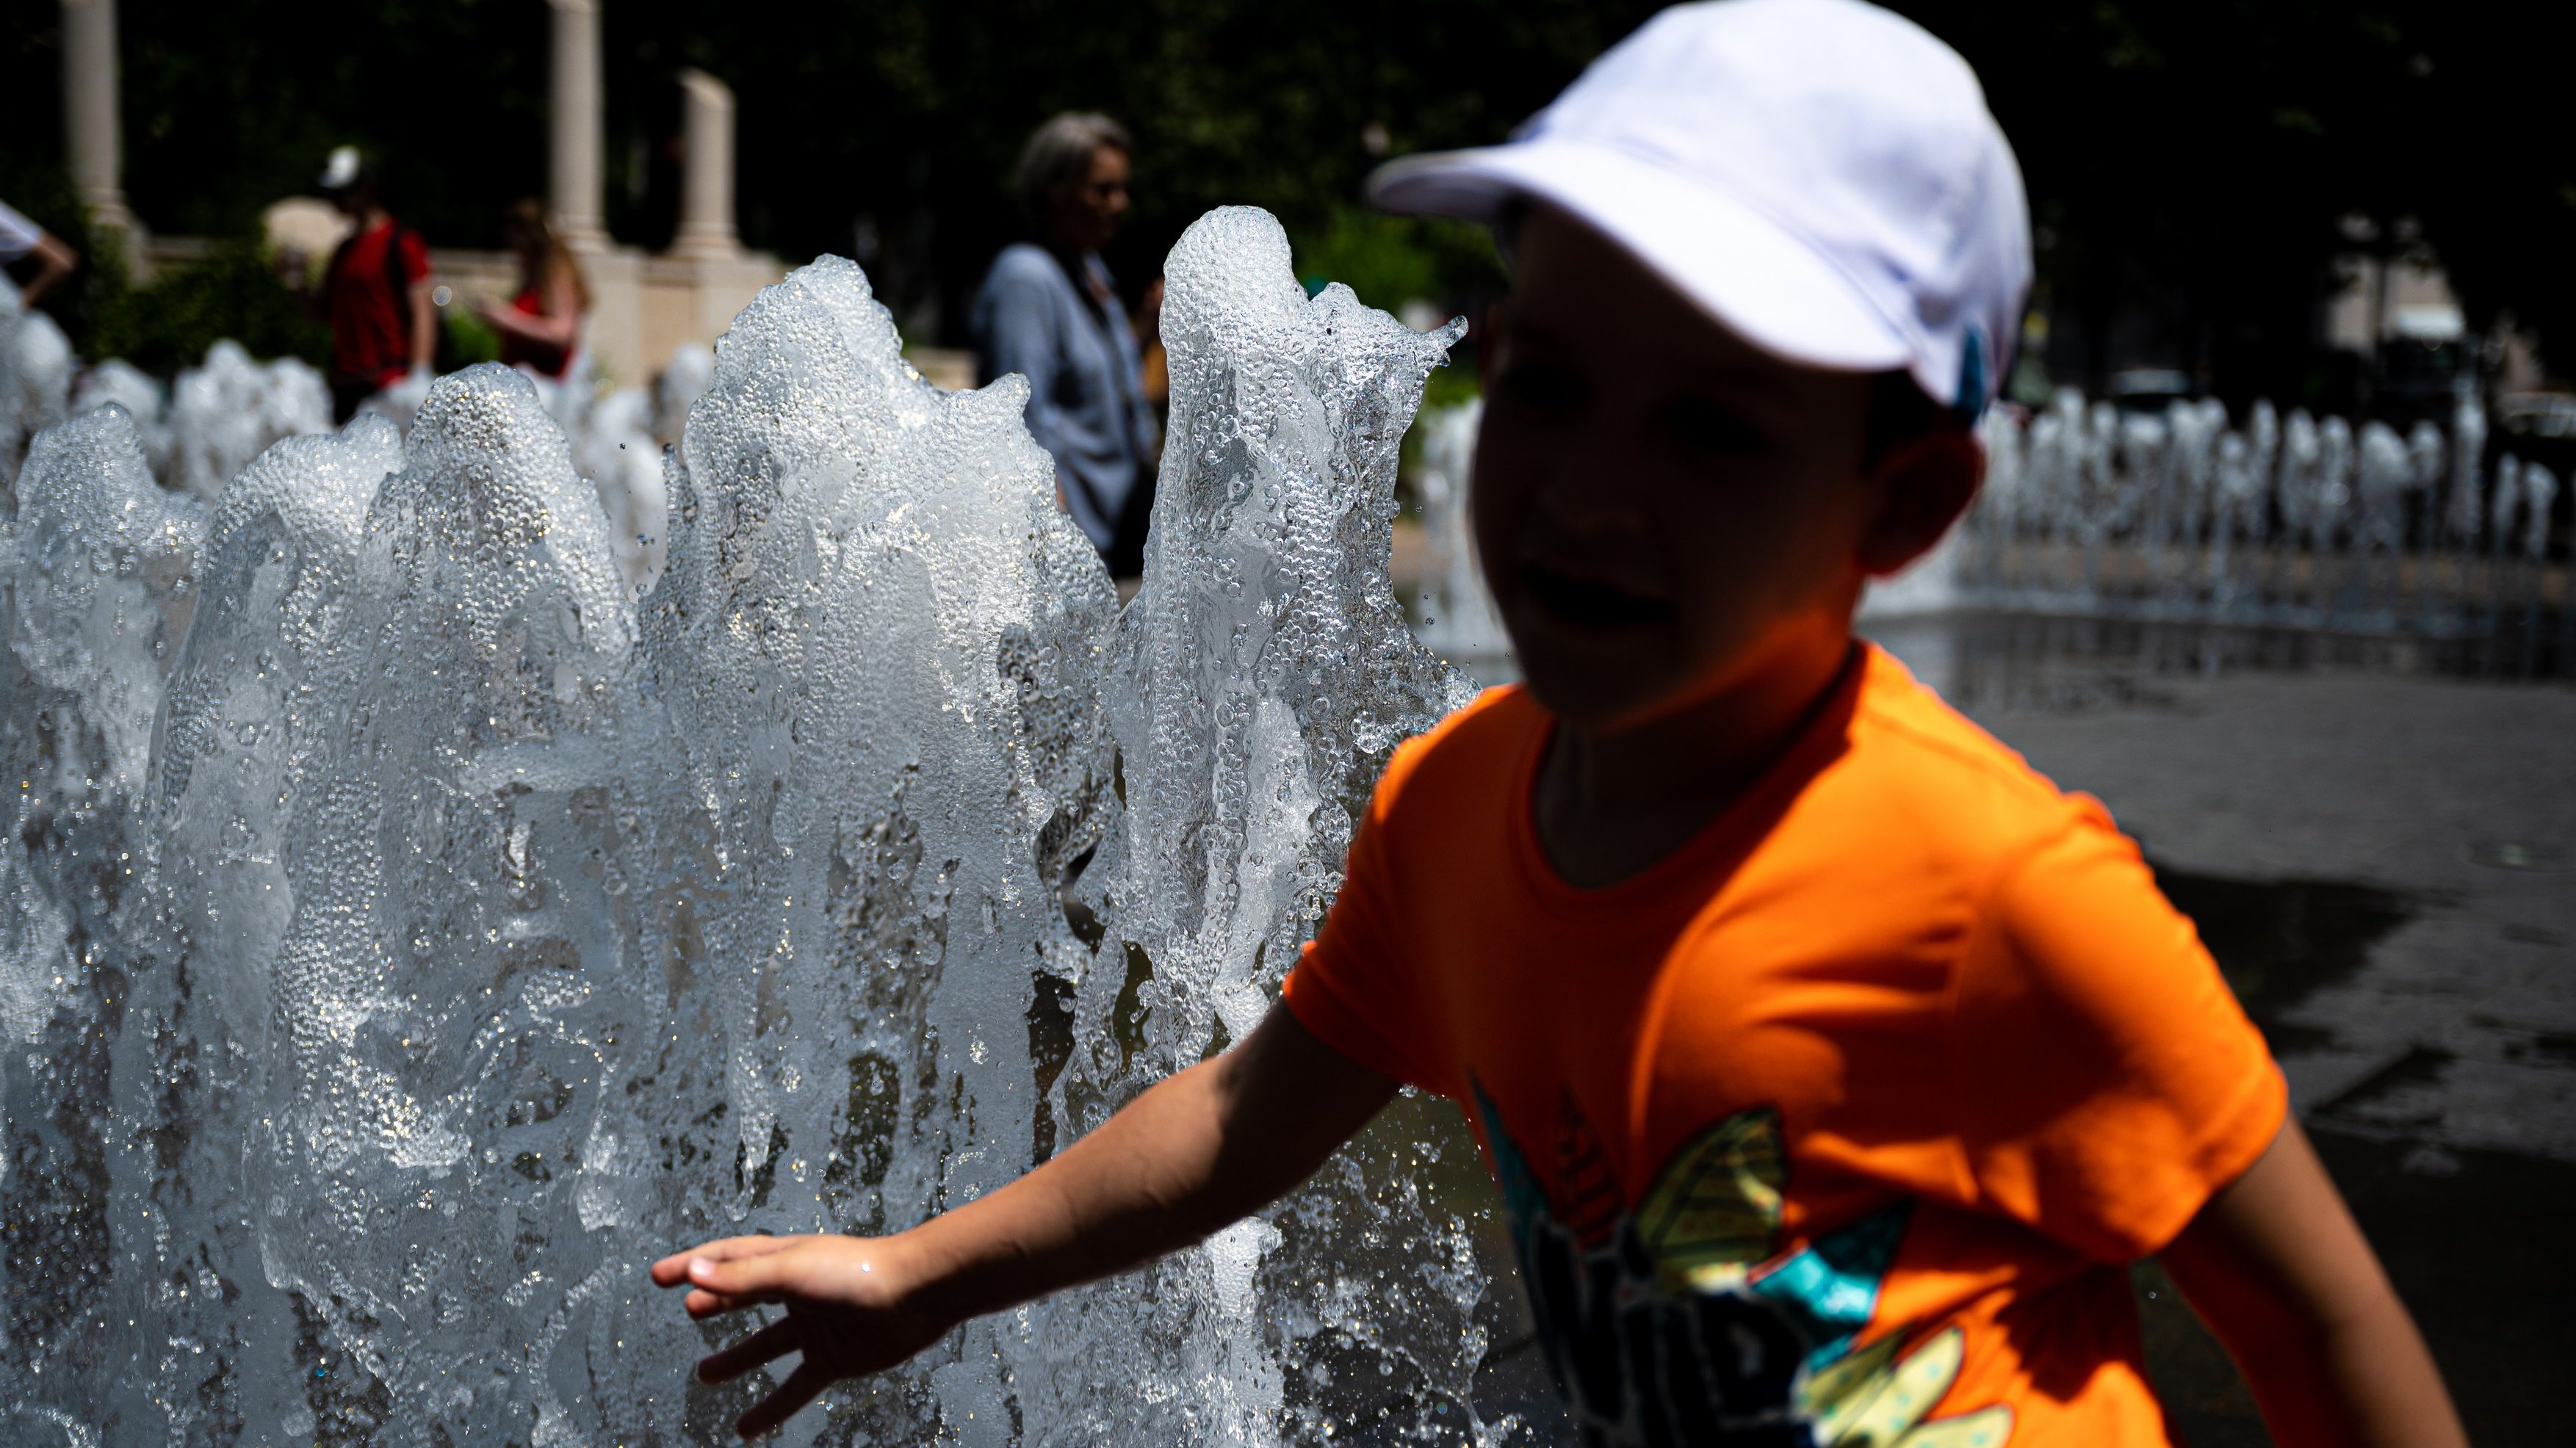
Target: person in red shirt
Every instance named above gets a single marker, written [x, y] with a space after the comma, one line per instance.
[376, 293]
[540, 327]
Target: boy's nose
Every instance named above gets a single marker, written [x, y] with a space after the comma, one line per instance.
[1582, 503]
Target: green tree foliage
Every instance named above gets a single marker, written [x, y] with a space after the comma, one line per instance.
[2194, 160]
[229, 292]
[229, 107]
[1391, 260]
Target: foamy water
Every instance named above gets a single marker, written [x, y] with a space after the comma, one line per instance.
[424, 908]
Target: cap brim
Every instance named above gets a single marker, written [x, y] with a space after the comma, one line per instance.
[1744, 269]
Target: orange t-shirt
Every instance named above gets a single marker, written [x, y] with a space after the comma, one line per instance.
[1839, 1124]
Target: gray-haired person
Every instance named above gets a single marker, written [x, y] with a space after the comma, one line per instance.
[1048, 311]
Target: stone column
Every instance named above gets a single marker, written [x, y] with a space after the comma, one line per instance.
[90, 113]
[573, 116]
[706, 191]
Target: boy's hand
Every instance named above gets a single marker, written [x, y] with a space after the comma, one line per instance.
[847, 1312]
[1199, 1150]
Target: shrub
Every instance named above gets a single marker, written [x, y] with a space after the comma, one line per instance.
[1391, 260]
[232, 291]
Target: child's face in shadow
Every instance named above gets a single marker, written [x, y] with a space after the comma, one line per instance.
[1661, 508]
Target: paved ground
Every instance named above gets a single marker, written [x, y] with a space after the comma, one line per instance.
[2384, 860]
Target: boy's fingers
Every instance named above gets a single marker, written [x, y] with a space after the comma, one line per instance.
[761, 1277]
[671, 1271]
[701, 1303]
[734, 1249]
[777, 1340]
[802, 1386]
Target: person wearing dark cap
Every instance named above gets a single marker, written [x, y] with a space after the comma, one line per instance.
[376, 294]
[1049, 312]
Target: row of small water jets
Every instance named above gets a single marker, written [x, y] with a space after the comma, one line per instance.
[2092, 510]
[2295, 521]
[408, 930]
[200, 431]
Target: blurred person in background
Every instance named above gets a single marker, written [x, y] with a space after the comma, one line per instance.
[21, 239]
[376, 292]
[1049, 311]
[540, 327]
[1157, 363]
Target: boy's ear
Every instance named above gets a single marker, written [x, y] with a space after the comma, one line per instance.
[1924, 484]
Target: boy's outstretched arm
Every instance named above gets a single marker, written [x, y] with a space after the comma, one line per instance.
[1198, 1151]
[2280, 1271]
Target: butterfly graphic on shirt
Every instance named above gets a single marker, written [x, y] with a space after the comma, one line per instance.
[1679, 1320]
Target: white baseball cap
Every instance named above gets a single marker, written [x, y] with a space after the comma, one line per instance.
[1821, 175]
[343, 169]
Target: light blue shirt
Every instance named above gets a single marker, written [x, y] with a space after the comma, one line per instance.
[1086, 393]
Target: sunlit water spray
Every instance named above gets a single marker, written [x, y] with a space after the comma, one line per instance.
[2295, 522]
[467, 931]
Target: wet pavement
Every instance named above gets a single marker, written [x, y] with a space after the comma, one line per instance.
[2378, 842]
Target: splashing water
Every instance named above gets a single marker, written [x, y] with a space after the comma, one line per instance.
[35, 378]
[490, 932]
[875, 644]
[691, 368]
[1258, 682]
[1268, 672]
[144, 400]
[1459, 620]
[98, 564]
[613, 446]
[228, 410]
[2298, 521]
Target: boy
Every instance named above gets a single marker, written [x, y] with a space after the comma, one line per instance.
[1833, 1064]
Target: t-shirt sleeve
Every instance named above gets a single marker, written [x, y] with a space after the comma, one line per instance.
[2110, 1082]
[18, 235]
[414, 254]
[1355, 986]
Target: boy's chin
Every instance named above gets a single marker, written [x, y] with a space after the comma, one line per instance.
[1595, 678]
